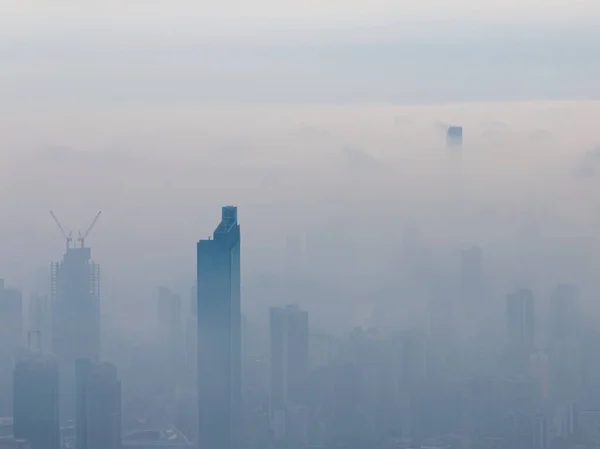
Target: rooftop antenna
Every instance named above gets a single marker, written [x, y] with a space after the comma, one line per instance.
[81, 238]
[68, 237]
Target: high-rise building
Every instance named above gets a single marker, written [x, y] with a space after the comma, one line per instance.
[454, 137]
[39, 319]
[75, 305]
[36, 401]
[520, 319]
[289, 337]
[170, 326]
[98, 421]
[11, 328]
[219, 334]
[564, 320]
[75, 296]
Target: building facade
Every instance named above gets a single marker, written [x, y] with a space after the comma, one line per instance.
[219, 334]
[98, 421]
[36, 401]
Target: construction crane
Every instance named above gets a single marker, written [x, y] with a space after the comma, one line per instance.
[81, 238]
[68, 237]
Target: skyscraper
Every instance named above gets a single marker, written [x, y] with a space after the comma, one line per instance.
[75, 304]
[36, 401]
[289, 337]
[520, 319]
[39, 319]
[564, 319]
[98, 422]
[75, 290]
[454, 137]
[219, 334]
[170, 327]
[11, 328]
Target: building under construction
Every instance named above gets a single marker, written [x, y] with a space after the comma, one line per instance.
[75, 296]
[75, 303]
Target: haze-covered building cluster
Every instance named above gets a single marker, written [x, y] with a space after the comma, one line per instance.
[463, 370]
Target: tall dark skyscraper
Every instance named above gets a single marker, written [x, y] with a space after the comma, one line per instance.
[219, 334]
[98, 406]
[36, 401]
[11, 328]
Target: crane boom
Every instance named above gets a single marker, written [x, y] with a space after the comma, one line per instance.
[67, 237]
[59, 225]
[82, 237]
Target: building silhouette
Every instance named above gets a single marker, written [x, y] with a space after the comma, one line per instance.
[75, 296]
[75, 305]
[564, 316]
[520, 319]
[219, 334]
[36, 401]
[40, 319]
[11, 328]
[454, 137]
[98, 420]
[289, 342]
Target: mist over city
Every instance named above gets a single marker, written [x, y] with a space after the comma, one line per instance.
[280, 226]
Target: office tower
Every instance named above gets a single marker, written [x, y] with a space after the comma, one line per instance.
[219, 339]
[39, 319]
[520, 319]
[98, 421]
[454, 137]
[289, 337]
[564, 318]
[11, 313]
[170, 327]
[472, 276]
[75, 305]
[36, 401]
[75, 296]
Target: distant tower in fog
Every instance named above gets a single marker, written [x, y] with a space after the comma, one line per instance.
[472, 275]
[36, 401]
[289, 340]
[454, 137]
[75, 311]
[11, 329]
[520, 319]
[39, 319]
[219, 334]
[98, 421]
[564, 317]
[170, 326]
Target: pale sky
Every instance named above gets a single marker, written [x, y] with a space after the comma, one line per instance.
[19, 12]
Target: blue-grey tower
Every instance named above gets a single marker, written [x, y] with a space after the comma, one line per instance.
[219, 334]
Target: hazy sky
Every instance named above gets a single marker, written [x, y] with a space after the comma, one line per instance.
[288, 8]
[311, 116]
